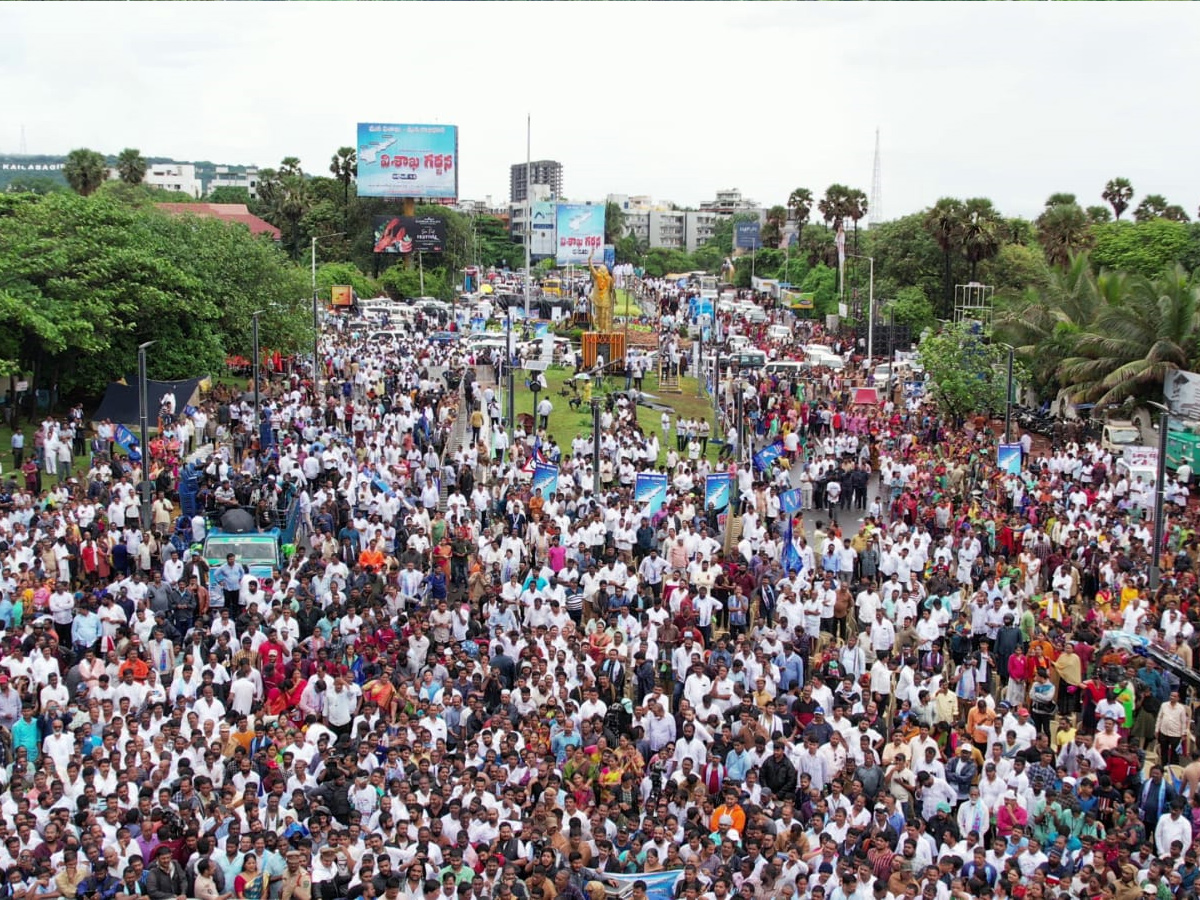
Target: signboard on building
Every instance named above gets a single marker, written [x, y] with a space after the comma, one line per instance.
[404, 234]
[579, 233]
[342, 295]
[408, 161]
[747, 236]
[1181, 393]
[541, 237]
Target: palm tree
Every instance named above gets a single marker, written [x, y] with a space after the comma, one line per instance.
[1175, 213]
[131, 166]
[980, 234]
[85, 170]
[833, 205]
[1117, 194]
[776, 219]
[1044, 324]
[856, 208]
[944, 221]
[1098, 215]
[344, 166]
[1139, 338]
[1063, 231]
[1060, 200]
[799, 203]
[1153, 206]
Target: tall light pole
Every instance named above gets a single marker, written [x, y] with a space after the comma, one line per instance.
[317, 314]
[528, 213]
[870, 306]
[257, 403]
[144, 415]
[1160, 484]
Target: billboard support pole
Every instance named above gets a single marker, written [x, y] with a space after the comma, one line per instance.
[528, 214]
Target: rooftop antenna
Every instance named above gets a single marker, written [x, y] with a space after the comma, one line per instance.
[875, 211]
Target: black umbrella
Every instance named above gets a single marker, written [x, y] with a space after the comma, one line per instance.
[237, 521]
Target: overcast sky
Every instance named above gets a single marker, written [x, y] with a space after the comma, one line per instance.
[1011, 101]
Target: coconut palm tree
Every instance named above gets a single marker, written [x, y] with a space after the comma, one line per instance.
[944, 222]
[800, 203]
[980, 233]
[85, 170]
[1063, 231]
[1117, 194]
[344, 166]
[131, 166]
[1044, 324]
[1142, 334]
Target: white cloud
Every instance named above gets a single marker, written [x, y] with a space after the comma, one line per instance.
[1010, 101]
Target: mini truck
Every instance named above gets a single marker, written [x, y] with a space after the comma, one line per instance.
[261, 551]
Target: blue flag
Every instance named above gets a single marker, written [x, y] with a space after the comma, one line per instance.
[545, 477]
[650, 491]
[767, 455]
[792, 560]
[789, 501]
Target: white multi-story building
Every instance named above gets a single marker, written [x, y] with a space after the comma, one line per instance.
[229, 176]
[179, 177]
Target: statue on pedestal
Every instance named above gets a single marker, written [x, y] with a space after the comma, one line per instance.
[602, 297]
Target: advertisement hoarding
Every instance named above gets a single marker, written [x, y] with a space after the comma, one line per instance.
[408, 161]
[404, 234]
[1181, 394]
[541, 238]
[580, 233]
[747, 236]
[341, 295]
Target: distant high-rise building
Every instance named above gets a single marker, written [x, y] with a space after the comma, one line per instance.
[541, 171]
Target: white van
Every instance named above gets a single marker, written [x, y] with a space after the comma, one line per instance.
[778, 333]
[787, 368]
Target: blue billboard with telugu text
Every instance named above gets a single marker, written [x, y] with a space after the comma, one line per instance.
[579, 233]
[408, 161]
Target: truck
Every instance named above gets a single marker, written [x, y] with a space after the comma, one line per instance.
[1119, 434]
[1183, 446]
[262, 551]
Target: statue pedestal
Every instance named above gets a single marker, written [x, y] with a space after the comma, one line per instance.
[609, 344]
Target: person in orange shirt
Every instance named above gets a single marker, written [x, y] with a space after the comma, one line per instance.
[979, 718]
[731, 808]
[134, 665]
[371, 556]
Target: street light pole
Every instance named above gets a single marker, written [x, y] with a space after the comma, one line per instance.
[1160, 484]
[1008, 396]
[317, 315]
[144, 415]
[257, 400]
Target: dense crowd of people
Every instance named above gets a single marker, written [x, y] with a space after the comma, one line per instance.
[880, 672]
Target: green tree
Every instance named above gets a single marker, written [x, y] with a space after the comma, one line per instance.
[944, 223]
[912, 308]
[405, 282]
[964, 372]
[1117, 194]
[1153, 206]
[227, 193]
[835, 205]
[661, 260]
[131, 166]
[1175, 213]
[344, 166]
[800, 202]
[856, 209]
[1149, 330]
[85, 170]
[1098, 215]
[1063, 231]
[1145, 248]
[776, 219]
[980, 232]
[1061, 200]
[614, 223]
[821, 282]
[1015, 268]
